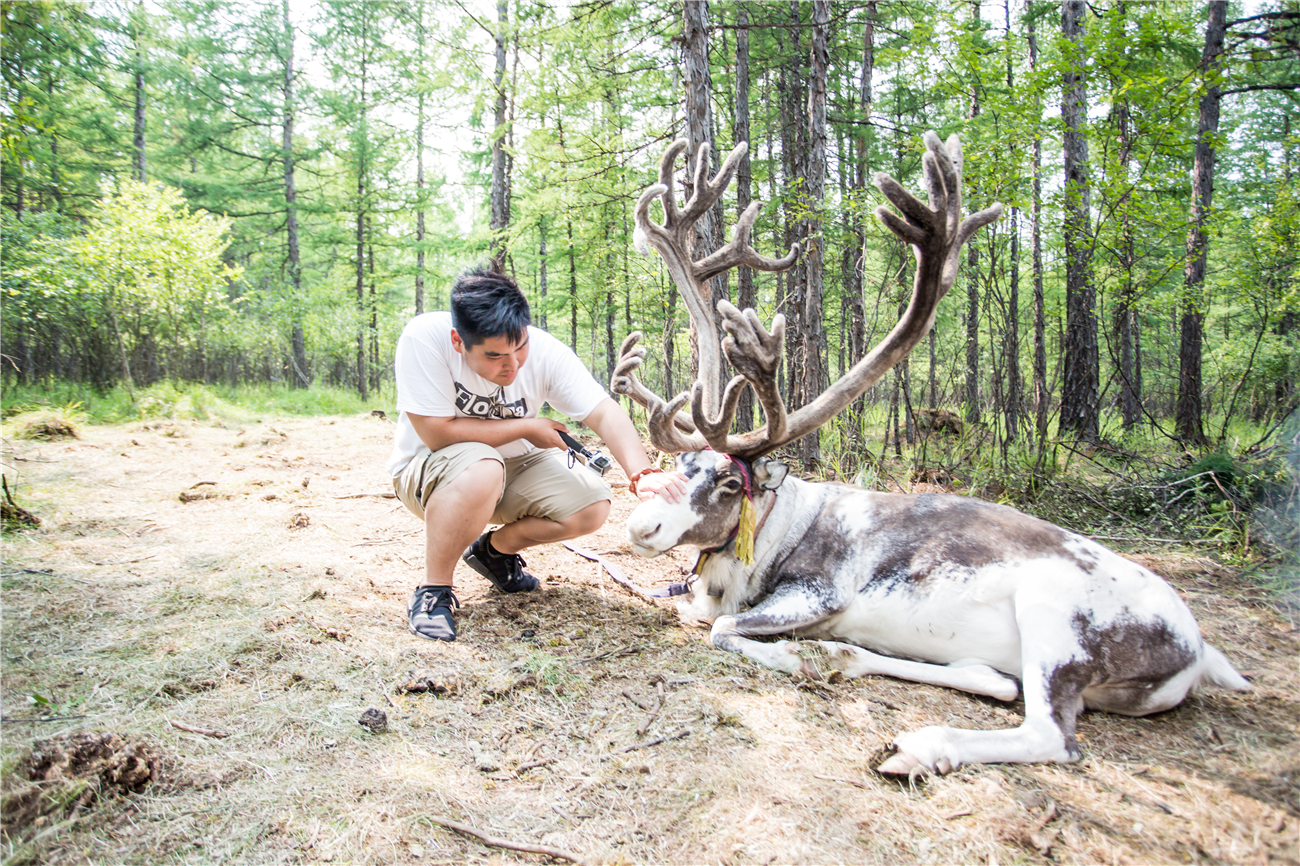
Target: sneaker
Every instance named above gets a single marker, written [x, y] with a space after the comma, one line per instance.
[504, 570]
[429, 612]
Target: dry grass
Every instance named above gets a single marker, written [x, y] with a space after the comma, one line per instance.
[45, 425]
[268, 608]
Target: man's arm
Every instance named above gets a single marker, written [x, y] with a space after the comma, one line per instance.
[617, 431]
[440, 432]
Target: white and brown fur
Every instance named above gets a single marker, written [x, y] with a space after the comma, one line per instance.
[938, 589]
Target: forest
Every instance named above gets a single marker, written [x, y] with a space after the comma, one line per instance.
[217, 192]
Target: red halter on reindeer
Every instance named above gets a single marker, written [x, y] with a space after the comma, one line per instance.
[939, 589]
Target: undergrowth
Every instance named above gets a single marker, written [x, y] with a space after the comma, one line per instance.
[189, 402]
[1239, 500]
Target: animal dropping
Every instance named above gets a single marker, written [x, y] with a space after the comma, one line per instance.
[931, 588]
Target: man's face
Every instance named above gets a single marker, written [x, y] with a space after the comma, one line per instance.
[496, 359]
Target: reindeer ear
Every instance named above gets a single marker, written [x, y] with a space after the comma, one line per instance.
[768, 474]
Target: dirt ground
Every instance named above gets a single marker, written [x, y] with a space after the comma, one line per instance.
[186, 681]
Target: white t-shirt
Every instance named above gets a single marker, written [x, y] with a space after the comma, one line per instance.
[433, 379]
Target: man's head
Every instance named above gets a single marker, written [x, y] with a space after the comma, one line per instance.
[489, 319]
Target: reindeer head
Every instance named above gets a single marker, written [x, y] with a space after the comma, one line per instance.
[936, 232]
[717, 488]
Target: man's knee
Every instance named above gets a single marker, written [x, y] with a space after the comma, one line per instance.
[481, 481]
[485, 477]
[589, 519]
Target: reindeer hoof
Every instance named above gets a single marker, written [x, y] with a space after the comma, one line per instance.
[809, 670]
[902, 764]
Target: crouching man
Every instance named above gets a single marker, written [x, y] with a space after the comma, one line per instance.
[470, 449]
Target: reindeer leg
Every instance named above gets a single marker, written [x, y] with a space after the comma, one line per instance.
[1053, 700]
[785, 610]
[973, 677]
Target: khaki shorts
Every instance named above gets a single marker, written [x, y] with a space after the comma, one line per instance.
[538, 484]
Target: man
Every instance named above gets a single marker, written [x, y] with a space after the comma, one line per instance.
[471, 450]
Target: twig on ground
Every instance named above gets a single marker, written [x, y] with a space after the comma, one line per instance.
[45, 572]
[497, 842]
[654, 714]
[613, 570]
[219, 735]
[676, 735]
[40, 718]
[845, 781]
[533, 765]
[634, 699]
[123, 561]
[621, 651]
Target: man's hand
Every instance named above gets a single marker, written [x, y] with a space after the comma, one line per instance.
[670, 485]
[543, 432]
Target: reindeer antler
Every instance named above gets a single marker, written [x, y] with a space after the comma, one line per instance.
[673, 239]
[936, 232]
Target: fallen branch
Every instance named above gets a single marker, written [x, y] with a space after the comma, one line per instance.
[219, 735]
[654, 714]
[677, 735]
[533, 765]
[846, 782]
[366, 495]
[497, 842]
[621, 651]
[613, 571]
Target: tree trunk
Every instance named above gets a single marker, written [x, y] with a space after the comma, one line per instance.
[1014, 405]
[137, 138]
[499, 217]
[699, 131]
[814, 335]
[301, 378]
[1188, 421]
[419, 165]
[744, 190]
[1126, 311]
[1042, 400]
[1079, 398]
[362, 378]
[573, 289]
[973, 279]
[858, 313]
[542, 283]
[794, 163]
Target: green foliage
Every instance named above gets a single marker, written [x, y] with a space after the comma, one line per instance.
[93, 286]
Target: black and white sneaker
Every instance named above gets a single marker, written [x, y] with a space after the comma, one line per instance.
[504, 570]
[429, 612]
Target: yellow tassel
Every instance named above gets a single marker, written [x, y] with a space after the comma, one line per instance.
[745, 532]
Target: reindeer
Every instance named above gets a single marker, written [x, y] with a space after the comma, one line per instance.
[938, 589]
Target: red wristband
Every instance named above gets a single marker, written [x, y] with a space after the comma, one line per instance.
[637, 476]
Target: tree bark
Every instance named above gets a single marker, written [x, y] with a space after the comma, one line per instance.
[857, 285]
[699, 131]
[1042, 399]
[419, 164]
[973, 277]
[499, 216]
[301, 377]
[1126, 310]
[1188, 421]
[363, 379]
[744, 189]
[138, 135]
[814, 335]
[1079, 397]
[1014, 406]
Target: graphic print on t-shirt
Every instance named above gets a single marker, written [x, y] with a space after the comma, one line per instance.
[477, 406]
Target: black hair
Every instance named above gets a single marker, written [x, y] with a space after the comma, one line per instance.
[486, 303]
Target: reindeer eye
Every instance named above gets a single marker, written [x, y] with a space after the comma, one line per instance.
[730, 487]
